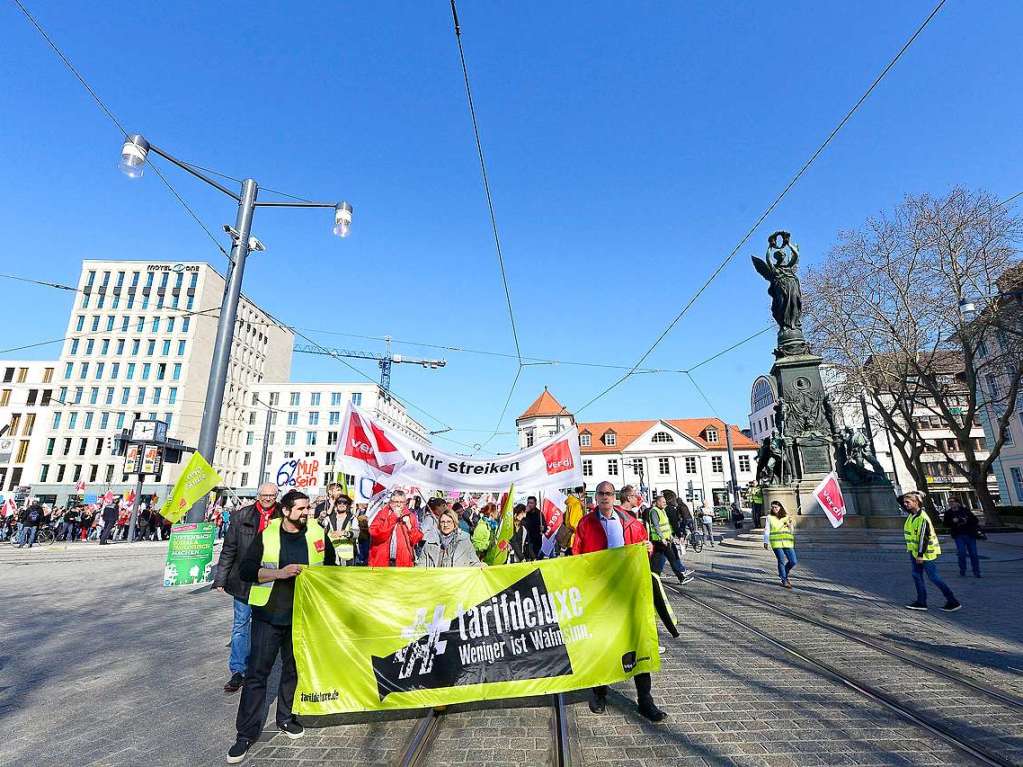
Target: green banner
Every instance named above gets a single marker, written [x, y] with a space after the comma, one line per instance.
[197, 479]
[190, 554]
[416, 638]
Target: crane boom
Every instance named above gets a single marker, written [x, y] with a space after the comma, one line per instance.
[384, 361]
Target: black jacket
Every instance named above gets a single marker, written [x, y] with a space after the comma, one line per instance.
[110, 514]
[962, 523]
[242, 531]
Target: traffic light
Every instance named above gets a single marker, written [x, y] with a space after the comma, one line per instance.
[173, 451]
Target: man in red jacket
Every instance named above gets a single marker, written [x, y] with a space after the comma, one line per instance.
[609, 527]
[394, 534]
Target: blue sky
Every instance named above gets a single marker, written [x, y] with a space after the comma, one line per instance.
[629, 148]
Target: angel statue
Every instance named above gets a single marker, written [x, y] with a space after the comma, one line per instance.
[786, 296]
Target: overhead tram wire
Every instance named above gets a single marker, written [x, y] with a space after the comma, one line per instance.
[117, 123]
[770, 208]
[493, 219]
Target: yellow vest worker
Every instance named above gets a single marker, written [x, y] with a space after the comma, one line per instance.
[922, 544]
[780, 538]
[273, 561]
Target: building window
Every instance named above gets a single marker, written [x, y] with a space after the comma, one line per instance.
[250, 437]
[690, 464]
[146, 367]
[289, 438]
[333, 418]
[744, 463]
[529, 438]
[314, 419]
[150, 348]
[48, 375]
[275, 398]
[584, 440]
[712, 435]
[612, 467]
[716, 464]
[314, 399]
[587, 467]
[172, 395]
[165, 351]
[292, 418]
[184, 324]
[176, 374]
[181, 348]
[663, 467]
[74, 348]
[130, 372]
[294, 398]
[662, 437]
[357, 399]
[43, 472]
[310, 437]
[610, 439]
[1017, 481]
[335, 398]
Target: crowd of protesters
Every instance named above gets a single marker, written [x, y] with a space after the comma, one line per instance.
[81, 522]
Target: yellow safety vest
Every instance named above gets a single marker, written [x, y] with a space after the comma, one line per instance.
[911, 530]
[780, 535]
[659, 529]
[259, 594]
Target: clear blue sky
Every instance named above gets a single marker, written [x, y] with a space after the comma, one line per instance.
[629, 147]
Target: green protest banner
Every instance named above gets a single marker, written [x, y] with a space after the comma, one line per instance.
[429, 637]
[497, 554]
[190, 554]
[197, 479]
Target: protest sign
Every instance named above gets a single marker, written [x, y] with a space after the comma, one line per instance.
[368, 448]
[829, 495]
[190, 554]
[498, 553]
[197, 479]
[417, 638]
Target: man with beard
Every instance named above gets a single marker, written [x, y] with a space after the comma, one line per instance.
[287, 545]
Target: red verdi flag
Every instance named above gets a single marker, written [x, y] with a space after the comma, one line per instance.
[829, 495]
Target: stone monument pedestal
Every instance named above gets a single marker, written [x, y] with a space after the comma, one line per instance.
[876, 504]
[797, 498]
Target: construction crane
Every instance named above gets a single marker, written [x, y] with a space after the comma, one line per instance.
[384, 361]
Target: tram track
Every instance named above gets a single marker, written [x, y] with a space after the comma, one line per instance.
[424, 735]
[942, 727]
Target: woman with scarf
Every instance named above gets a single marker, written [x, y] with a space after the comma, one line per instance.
[452, 546]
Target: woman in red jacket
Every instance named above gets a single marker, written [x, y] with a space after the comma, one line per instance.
[394, 534]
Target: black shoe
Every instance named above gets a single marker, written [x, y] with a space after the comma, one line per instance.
[234, 684]
[951, 606]
[651, 712]
[916, 606]
[292, 728]
[598, 704]
[237, 752]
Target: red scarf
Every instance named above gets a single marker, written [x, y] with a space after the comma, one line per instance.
[264, 515]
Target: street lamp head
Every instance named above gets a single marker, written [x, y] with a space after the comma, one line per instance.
[342, 219]
[968, 309]
[133, 156]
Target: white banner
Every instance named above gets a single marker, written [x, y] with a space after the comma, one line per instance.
[829, 495]
[369, 449]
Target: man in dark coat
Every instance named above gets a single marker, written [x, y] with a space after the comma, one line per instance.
[534, 524]
[246, 523]
[109, 520]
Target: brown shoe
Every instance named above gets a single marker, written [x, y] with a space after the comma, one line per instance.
[787, 585]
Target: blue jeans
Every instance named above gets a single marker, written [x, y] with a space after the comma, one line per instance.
[240, 636]
[967, 544]
[784, 567]
[930, 567]
[28, 535]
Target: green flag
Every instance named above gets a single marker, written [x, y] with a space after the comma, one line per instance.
[195, 481]
[497, 554]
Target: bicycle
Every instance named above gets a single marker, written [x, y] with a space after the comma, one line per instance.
[694, 540]
[45, 536]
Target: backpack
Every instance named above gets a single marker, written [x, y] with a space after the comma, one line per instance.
[33, 515]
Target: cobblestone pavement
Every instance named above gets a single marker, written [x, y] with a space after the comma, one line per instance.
[100, 665]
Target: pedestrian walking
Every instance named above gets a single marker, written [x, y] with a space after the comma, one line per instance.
[394, 534]
[964, 528]
[707, 523]
[922, 543]
[659, 531]
[288, 544]
[779, 536]
[249, 522]
[608, 527]
[109, 517]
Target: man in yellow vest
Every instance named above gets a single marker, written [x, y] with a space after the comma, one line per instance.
[287, 544]
[922, 543]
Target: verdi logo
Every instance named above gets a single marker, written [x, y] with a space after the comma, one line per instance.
[558, 457]
[515, 634]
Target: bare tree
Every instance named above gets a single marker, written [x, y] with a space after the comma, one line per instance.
[886, 308]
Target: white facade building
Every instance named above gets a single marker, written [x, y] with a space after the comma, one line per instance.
[139, 345]
[305, 419]
[26, 389]
[688, 456]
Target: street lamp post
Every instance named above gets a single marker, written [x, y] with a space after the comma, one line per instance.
[133, 159]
